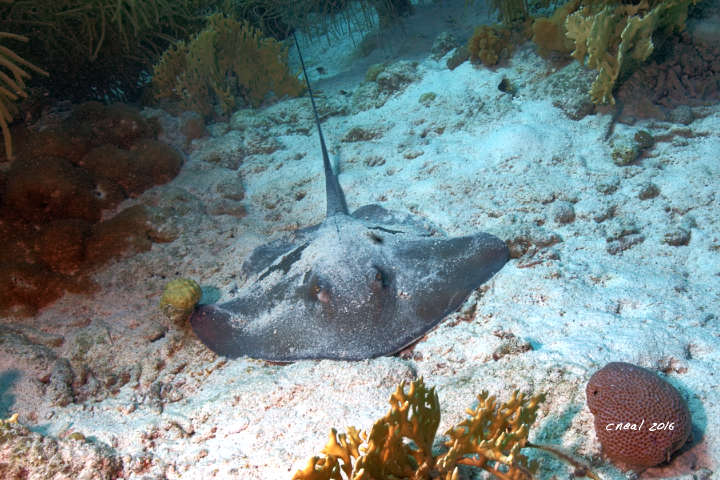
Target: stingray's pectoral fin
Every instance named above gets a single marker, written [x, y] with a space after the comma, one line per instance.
[448, 270]
[213, 326]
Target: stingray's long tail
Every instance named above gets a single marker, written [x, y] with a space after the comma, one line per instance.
[335, 197]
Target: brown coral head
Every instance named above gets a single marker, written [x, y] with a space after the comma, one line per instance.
[640, 419]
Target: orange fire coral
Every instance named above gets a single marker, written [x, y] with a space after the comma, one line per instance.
[399, 445]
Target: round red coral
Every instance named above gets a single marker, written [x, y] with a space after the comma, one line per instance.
[640, 419]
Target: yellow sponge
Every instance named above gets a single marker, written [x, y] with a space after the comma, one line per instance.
[179, 298]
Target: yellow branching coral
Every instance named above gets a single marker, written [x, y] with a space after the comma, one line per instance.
[399, 445]
[413, 416]
[228, 59]
[13, 73]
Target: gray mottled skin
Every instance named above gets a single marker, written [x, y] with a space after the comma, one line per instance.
[355, 286]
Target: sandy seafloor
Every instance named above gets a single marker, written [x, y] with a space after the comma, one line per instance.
[473, 159]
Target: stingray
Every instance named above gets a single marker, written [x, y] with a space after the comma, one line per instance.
[358, 285]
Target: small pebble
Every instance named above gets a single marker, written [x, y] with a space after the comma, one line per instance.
[604, 214]
[623, 243]
[608, 186]
[648, 190]
[644, 139]
[677, 237]
[563, 212]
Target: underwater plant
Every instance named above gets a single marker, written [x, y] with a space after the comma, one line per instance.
[614, 37]
[12, 85]
[73, 36]
[227, 59]
[90, 48]
[511, 11]
[89, 29]
[277, 18]
[399, 445]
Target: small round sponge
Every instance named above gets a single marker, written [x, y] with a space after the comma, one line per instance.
[179, 298]
[640, 419]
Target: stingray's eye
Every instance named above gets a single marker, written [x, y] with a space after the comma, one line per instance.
[320, 293]
[316, 287]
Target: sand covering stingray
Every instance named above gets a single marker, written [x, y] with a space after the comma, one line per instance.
[355, 286]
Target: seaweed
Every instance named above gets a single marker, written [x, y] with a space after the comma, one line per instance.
[85, 30]
[399, 445]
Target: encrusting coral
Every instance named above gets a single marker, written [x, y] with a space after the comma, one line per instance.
[228, 59]
[54, 195]
[687, 74]
[399, 445]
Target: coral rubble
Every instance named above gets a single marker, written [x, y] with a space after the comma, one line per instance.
[25, 454]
